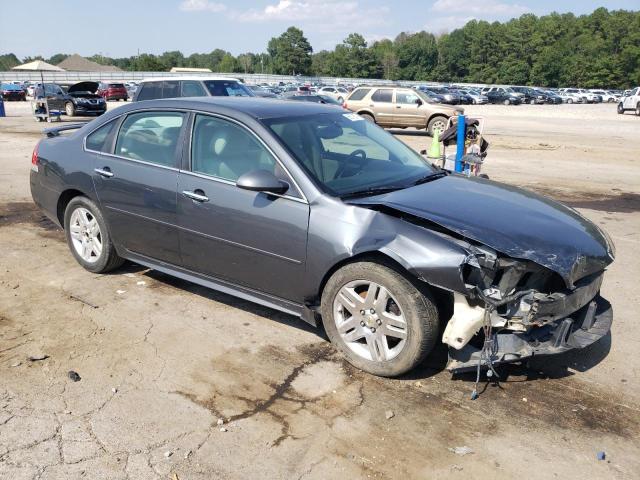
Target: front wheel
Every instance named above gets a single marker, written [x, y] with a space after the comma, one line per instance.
[570, 100]
[532, 102]
[638, 109]
[378, 318]
[620, 109]
[70, 109]
[88, 237]
[437, 123]
[507, 102]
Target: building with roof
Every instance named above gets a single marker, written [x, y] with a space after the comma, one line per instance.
[76, 63]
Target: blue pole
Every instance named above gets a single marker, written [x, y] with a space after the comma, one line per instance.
[2, 113]
[460, 144]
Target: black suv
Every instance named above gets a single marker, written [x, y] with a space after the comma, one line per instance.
[191, 87]
[79, 99]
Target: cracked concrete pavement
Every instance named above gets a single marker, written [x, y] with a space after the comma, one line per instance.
[162, 360]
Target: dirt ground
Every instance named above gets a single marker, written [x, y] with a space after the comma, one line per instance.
[162, 360]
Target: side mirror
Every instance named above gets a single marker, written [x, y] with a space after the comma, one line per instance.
[261, 181]
[418, 101]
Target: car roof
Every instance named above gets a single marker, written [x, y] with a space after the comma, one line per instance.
[189, 77]
[256, 107]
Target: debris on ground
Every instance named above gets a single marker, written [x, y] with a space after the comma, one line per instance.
[114, 390]
[389, 414]
[461, 450]
[220, 422]
[37, 357]
[73, 376]
[168, 453]
[187, 454]
[524, 399]
[602, 455]
[175, 477]
[120, 292]
[141, 283]
[223, 429]
[14, 365]
[82, 300]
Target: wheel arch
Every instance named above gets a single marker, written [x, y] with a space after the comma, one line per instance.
[438, 114]
[442, 298]
[366, 112]
[63, 200]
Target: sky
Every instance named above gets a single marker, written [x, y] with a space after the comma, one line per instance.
[121, 28]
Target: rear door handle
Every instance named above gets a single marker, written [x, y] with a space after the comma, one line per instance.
[197, 195]
[104, 172]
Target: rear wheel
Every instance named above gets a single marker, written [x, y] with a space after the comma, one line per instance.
[437, 123]
[368, 117]
[378, 319]
[507, 102]
[70, 109]
[638, 109]
[88, 237]
[570, 100]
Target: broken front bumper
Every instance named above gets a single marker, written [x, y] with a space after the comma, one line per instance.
[580, 329]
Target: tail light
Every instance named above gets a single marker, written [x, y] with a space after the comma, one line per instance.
[34, 158]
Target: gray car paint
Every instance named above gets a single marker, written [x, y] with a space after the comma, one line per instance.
[279, 251]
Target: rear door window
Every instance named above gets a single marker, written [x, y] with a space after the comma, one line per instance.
[150, 137]
[171, 89]
[193, 88]
[383, 95]
[227, 88]
[409, 98]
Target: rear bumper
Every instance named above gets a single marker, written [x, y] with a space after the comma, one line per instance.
[579, 330]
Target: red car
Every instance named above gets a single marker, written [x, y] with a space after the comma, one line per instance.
[11, 91]
[112, 91]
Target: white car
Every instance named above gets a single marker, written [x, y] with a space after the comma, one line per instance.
[606, 96]
[337, 93]
[588, 96]
[630, 102]
[571, 97]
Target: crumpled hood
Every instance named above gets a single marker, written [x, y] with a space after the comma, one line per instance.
[516, 222]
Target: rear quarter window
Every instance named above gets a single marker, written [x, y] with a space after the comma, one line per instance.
[100, 140]
[359, 94]
[383, 95]
[150, 91]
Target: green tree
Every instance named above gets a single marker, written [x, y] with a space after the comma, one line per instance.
[8, 61]
[227, 64]
[291, 52]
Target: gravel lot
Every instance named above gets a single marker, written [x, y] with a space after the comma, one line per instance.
[161, 360]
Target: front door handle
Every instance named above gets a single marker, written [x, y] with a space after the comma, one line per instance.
[104, 172]
[197, 195]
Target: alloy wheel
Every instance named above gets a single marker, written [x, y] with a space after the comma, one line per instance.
[86, 236]
[370, 321]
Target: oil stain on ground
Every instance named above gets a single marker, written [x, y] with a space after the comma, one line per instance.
[14, 213]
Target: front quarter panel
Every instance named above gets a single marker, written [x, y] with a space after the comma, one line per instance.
[338, 232]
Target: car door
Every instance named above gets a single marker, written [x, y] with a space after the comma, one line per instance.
[136, 179]
[408, 109]
[253, 239]
[383, 106]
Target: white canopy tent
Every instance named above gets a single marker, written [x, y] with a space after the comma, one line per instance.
[38, 66]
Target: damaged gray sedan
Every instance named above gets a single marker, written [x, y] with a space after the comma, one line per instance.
[313, 211]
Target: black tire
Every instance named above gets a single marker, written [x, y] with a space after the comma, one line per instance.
[108, 259]
[368, 117]
[420, 312]
[435, 122]
[570, 100]
[340, 99]
[532, 102]
[507, 102]
[620, 109]
[70, 108]
[638, 109]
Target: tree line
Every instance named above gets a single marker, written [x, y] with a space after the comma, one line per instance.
[601, 49]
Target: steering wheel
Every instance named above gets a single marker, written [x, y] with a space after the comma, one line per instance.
[343, 166]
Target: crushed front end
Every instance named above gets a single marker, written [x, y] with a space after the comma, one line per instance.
[514, 309]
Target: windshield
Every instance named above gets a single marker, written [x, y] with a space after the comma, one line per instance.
[345, 154]
[227, 88]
